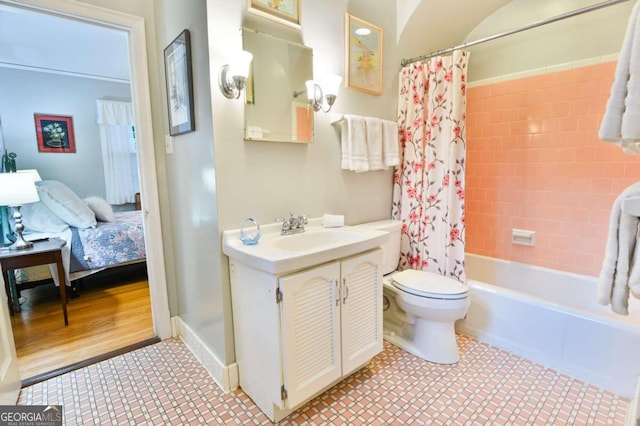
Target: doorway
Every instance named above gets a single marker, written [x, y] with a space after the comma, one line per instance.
[133, 27]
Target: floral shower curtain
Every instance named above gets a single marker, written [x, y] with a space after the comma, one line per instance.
[428, 192]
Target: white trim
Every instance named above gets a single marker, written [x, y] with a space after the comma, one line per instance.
[226, 376]
[62, 72]
[135, 26]
[9, 370]
[633, 411]
[545, 70]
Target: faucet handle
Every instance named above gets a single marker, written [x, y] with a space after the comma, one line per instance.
[303, 219]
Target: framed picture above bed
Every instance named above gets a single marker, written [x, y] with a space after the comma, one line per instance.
[54, 133]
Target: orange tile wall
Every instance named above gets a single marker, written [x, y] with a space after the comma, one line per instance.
[534, 161]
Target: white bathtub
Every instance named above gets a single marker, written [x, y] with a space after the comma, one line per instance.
[553, 318]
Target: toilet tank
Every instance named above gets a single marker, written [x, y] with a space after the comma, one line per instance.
[390, 249]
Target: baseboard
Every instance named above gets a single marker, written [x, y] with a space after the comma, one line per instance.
[226, 376]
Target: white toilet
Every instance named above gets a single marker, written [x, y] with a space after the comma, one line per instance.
[420, 308]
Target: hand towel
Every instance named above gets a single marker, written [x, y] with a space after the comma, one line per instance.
[390, 143]
[354, 154]
[332, 220]
[613, 281]
[621, 121]
[374, 143]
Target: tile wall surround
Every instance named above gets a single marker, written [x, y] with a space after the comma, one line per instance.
[534, 162]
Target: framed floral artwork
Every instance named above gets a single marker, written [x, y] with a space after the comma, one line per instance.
[283, 11]
[55, 133]
[363, 56]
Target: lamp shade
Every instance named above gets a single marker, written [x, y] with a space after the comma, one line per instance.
[17, 189]
[311, 89]
[240, 64]
[331, 84]
[33, 172]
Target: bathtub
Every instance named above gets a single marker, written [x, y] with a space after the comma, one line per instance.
[553, 318]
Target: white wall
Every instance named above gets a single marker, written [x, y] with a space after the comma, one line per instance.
[593, 34]
[24, 93]
[201, 300]
[265, 179]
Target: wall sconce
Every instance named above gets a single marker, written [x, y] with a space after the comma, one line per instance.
[18, 189]
[323, 96]
[232, 77]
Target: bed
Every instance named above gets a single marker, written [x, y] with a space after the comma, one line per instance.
[97, 238]
[108, 244]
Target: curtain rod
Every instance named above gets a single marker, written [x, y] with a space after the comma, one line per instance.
[535, 24]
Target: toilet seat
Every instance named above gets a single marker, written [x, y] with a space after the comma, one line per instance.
[429, 285]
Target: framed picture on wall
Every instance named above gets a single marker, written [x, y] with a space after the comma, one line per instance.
[177, 67]
[364, 56]
[54, 133]
[283, 11]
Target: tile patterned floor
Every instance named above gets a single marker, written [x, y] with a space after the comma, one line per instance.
[165, 384]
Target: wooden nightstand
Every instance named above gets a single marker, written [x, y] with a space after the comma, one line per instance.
[42, 253]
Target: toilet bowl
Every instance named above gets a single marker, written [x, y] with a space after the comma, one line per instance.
[420, 308]
[422, 323]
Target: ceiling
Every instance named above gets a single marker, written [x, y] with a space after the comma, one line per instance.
[40, 41]
[437, 24]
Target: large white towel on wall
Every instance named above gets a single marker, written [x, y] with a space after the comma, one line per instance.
[374, 143]
[390, 143]
[354, 144]
[620, 268]
[621, 121]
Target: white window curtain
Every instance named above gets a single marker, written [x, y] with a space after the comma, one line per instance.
[115, 120]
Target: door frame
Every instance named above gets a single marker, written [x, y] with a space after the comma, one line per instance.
[134, 26]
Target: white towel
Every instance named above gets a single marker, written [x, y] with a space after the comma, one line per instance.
[374, 143]
[390, 143]
[332, 220]
[621, 121]
[354, 144]
[614, 279]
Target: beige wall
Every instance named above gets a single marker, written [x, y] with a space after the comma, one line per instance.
[267, 179]
[592, 34]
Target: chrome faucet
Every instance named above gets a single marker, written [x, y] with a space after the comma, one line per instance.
[294, 224]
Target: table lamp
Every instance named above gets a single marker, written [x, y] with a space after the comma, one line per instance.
[17, 189]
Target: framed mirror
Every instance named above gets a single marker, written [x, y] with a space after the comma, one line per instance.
[276, 105]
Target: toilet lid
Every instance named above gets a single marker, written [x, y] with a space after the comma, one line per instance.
[428, 284]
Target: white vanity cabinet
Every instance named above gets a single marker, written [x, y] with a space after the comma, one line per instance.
[299, 333]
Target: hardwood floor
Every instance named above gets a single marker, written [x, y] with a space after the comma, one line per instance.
[106, 317]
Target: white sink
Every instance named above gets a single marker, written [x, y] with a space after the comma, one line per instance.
[278, 254]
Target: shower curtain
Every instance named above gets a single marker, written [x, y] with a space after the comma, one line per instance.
[428, 191]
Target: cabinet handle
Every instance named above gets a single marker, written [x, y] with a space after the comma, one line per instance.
[336, 291]
[346, 291]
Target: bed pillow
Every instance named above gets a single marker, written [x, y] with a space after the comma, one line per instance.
[37, 217]
[102, 209]
[65, 204]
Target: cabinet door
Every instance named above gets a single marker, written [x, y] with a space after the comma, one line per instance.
[310, 324]
[361, 309]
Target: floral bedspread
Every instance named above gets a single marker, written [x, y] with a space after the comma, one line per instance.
[110, 243]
